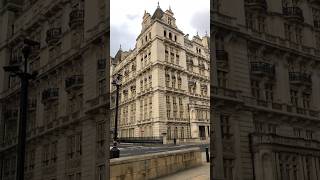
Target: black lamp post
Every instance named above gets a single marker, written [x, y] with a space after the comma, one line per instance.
[115, 152]
[24, 77]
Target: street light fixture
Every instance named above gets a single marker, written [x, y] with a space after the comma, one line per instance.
[24, 77]
[115, 151]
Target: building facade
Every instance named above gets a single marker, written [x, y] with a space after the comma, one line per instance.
[265, 89]
[165, 82]
[66, 126]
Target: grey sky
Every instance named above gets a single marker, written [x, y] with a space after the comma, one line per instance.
[192, 16]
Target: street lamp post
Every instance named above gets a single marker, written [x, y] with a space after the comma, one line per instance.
[115, 152]
[24, 77]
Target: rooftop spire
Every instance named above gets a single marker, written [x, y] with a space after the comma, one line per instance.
[158, 5]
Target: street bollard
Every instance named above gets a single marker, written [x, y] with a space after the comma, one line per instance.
[207, 154]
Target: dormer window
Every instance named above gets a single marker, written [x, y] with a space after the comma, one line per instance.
[169, 21]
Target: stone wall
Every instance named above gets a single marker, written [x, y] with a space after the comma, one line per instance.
[155, 165]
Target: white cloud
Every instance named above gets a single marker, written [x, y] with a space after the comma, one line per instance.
[192, 16]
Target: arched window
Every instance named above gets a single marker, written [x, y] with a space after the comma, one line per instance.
[170, 36]
[175, 38]
[165, 33]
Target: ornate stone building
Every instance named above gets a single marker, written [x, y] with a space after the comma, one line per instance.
[66, 124]
[266, 84]
[165, 82]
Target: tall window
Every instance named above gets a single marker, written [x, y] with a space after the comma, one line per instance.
[146, 108]
[269, 92]
[101, 172]
[288, 31]
[141, 109]
[181, 107]
[228, 165]
[102, 86]
[222, 79]
[175, 108]
[249, 20]
[294, 97]
[168, 106]
[45, 155]
[173, 81]
[74, 146]
[306, 100]
[255, 89]
[54, 149]
[179, 82]
[166, 53]
[225, 127]
[167, 79]
[100, 134]
[150, 107]
[177, 57]
[261, 24]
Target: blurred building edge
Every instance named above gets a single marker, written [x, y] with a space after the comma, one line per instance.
[164, 97]
[68, 102]
[265, 89]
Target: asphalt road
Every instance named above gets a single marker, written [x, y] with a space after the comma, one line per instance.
[134, 149]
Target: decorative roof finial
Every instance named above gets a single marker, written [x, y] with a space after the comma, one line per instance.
[169, 7]
[197, 33]
[120, 47]
[158, 5]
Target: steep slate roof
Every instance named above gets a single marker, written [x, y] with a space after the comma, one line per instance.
[158, 13]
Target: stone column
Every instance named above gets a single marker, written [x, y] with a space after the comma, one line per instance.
[88, 166]
[217, 171]
[61, 154]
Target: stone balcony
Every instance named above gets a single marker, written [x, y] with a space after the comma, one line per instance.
[300, 78]
[293, 14]
[262, 69]
[274, 139]
[74, 82]
[50, 94]
[256, 4]
[76, 18]
[53, 36]
[222, 59]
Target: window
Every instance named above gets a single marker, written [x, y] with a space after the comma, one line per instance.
[54, 149]
[45, 155]
[177, 57]
[141, 85]
[288, 31]
[175, 38]
[255, 89]
[141, 109]
[306, 100]
[269, 92]
[150, 81]
[309, 134]
[168, 106]
[175, 108]
[166, 53]
[170, 35]
[150, 107]
[222, 79]
[179, 82]
[74, 146]
[102, 87]
[225, 127]
[294, 97]
[165, 33]
[173, 81]
[261, 24]
[101, 172]
[167, 79]
[272, 128]
[146, 108]
[299, 35]
[228, 165]
[297, 132]
[249, 20]
[100, 134]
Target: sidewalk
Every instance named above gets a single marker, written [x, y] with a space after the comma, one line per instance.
[197, 173]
